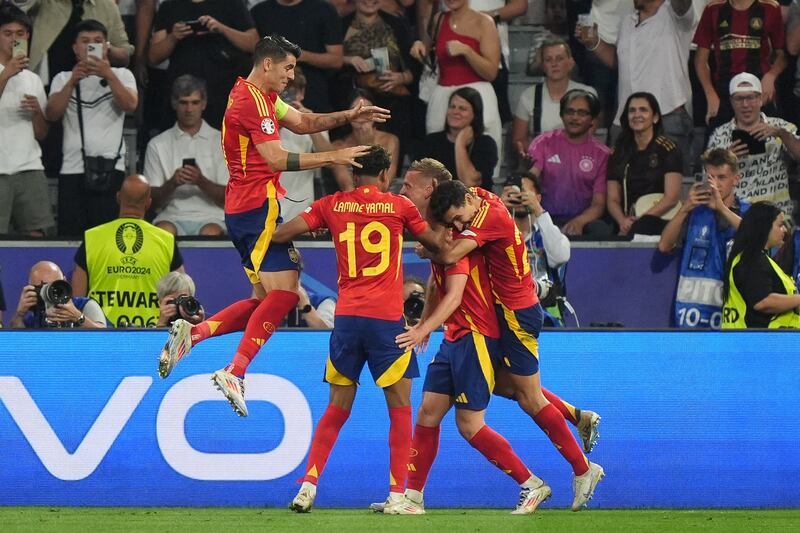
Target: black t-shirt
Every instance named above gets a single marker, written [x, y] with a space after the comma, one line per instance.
[483, 155]
[646, 168]
[211, 56]
[756, 280]
[312, 25]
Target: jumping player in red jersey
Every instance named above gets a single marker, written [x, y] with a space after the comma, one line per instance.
[482, 221]
[366, 225]
[255, 159]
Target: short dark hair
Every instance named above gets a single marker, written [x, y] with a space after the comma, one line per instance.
[574, 94]
[186, 85]
[553, 41]
[476, 102]
[446, 195]
[274, 47]
[716, 157]
[90, 25]
[373, 162]
[534, 179]
[10, 14]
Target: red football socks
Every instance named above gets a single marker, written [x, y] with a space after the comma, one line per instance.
[553, 424]
[232, 318]
[499, 452]
[399, 447]
[424, 448]
[567, 410]
[262, 324]
[324, 438]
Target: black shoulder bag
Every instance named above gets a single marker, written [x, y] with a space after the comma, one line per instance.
[97, 171]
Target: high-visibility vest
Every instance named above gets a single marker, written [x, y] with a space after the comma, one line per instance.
[733, 313]
[125, 258]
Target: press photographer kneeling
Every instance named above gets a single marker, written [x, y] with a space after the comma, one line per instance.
[47, 302]
[176, 300]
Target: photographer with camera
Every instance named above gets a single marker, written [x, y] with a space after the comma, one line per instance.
[176, 299]
[548, 248]
[413, 299]
[47, 302]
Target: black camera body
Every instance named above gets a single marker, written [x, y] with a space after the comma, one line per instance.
[413, 306]
[187, 303]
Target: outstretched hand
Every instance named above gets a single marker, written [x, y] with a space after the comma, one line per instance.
[347, 156]
[413, 336]
[369, 112]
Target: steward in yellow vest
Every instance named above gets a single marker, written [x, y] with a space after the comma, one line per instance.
[120, 262]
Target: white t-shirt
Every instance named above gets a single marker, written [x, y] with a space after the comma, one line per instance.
[764, 176]
[299, 184]
[551, 119]
[102, 120]
[165, 154]
[19, 150]
[607, 15]
[653, 56]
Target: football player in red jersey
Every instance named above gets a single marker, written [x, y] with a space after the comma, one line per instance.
[255, 158]
[480, 220]
[366, 225]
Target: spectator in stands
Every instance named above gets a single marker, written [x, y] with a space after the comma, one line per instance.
[319, 36]
[32, 312]
[370, 28]
[571, 165]
[790, 100]
[761, 143]
[362, 133]
[538, 110]
[747, 36]
[176, 299]
[299, 184]
[757, 293]
[467, 50]
[706, 223]
[119, 263]
[503, 12]
[651, 55]
[55, 23]
[548, 248]
[646, 165]
[186, 168]
[463, 147]
[214, 46]
[23, 186]
[92, 98]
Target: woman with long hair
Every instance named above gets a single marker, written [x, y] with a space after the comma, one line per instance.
[757, 293]
[644, 162]
[468, 153]
[363, 133]
[467, 51]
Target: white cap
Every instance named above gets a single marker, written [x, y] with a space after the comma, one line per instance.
[744, 82]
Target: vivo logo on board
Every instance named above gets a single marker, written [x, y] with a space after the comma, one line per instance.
[170, 429]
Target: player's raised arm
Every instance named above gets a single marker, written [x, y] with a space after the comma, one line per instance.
[280, 159]
[300, 122]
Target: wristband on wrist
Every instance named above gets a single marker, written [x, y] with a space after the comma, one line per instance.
[306, 309]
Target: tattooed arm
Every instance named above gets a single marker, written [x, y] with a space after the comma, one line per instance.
[301, 123]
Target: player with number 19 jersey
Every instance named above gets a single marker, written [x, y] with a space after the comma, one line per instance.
[366, 226]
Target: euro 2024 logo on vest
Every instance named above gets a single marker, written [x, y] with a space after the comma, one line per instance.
[129, 240]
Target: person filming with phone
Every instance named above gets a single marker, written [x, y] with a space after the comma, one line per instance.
[185, 167]
[761, 143]
[22, 99]
[705, 225]
[92, 99]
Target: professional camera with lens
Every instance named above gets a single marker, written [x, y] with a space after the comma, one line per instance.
[188, 304]
[412, 307]
[49, 295]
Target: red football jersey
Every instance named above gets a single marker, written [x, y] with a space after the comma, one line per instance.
[504, 249]
[476, 312]
[252, 117]
[367, 230]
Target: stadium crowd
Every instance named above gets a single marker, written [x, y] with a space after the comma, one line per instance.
[606, 140]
